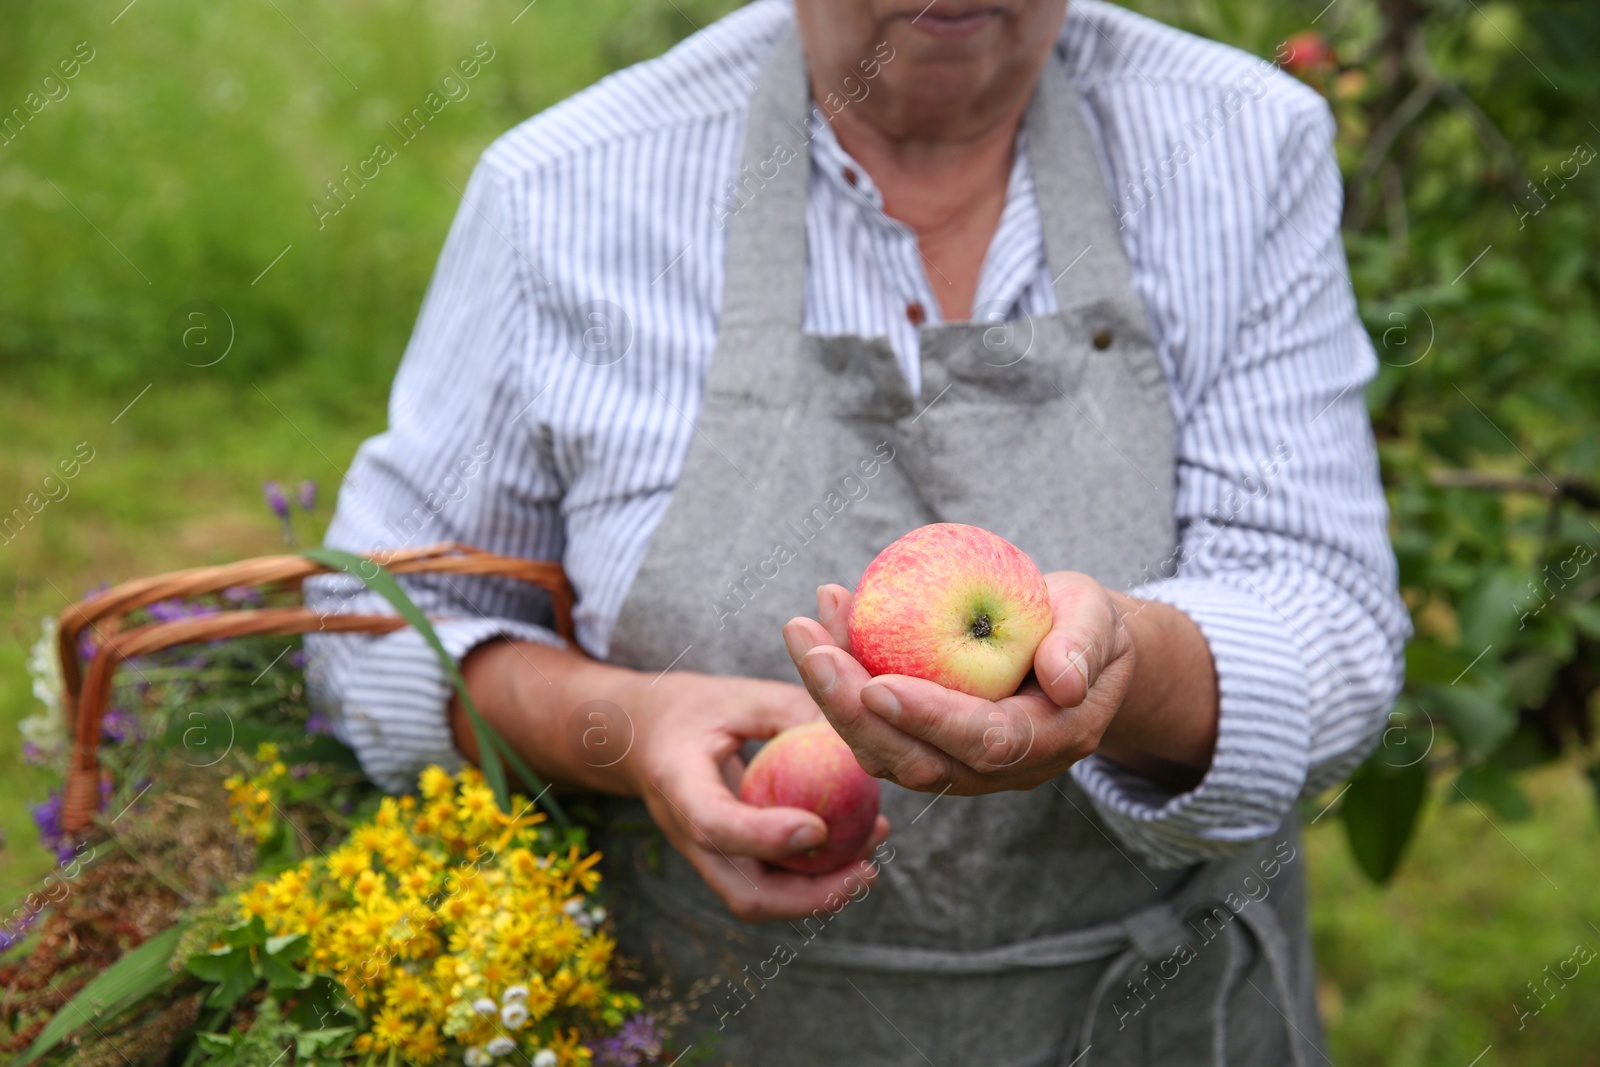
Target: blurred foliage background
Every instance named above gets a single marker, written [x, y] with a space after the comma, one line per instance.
[173, 172]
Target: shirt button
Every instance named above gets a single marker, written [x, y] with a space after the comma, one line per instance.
[850, 176]
[1102, 338]
[916, 314]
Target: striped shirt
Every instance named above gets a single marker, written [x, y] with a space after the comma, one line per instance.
[545, 404]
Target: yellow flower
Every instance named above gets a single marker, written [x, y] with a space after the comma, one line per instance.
[540, 1000]
[435, 782]
[347, 862]
[425, 1046]
[407, 993]
[390, 1030]
[435, 906]
[568, 1049]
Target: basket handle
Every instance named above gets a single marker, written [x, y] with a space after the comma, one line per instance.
[85, 697]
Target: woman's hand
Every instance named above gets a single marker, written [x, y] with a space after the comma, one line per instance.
[685, 765]
[679, 735]
[1087, 694]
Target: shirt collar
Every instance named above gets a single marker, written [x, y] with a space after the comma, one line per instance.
[1015, 256]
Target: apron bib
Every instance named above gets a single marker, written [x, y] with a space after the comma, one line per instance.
[1007, 930]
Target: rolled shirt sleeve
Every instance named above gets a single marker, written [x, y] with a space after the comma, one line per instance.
[1284, 561]
[457, 463]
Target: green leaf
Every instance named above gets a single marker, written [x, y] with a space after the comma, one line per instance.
[216, 1043]
[1490, 612]
[288, 947]
[1587, 617]
[1479, 722]
[324, 1003]
[236, 982]
[244, 934]
[1429, 661]
[1380, 813]
[1494, 785]
[214, 967]
[135, 976]
[308, 1043]
[279, 851]
[490, 743]
[281, 976]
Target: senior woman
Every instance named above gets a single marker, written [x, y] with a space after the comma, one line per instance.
[714, 331]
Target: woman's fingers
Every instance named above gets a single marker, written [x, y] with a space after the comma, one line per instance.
[768, 708]
[833, 612]
[987, 736]
[726, 841]
[757, 893]
[836, 682]
[707, 815]
[1081, 640]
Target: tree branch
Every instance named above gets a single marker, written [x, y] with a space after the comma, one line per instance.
[1568, 487]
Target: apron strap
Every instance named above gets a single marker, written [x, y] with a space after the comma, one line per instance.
[1155, 931]
[1274, 944]
[767, 218]
[1073, 194]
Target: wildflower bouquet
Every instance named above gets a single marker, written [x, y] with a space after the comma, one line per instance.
[425, 929]
[442, 927]
[247, 898]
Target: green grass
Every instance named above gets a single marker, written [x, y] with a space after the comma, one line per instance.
[181, 164]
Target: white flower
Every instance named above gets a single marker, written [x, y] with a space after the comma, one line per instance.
[45, 667]
[476, 1057]
[546, 1058]
[514, 993]
[598, 915]
[485, 1006]
[514, 1015]
[573, 907]
[501, 1045]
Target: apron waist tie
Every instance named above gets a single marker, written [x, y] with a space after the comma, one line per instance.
[1152, 933]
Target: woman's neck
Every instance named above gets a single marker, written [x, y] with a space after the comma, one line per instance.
[948, 184]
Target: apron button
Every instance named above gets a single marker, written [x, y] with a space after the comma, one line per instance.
[1102, 338]
[916, 314]
[850, 176]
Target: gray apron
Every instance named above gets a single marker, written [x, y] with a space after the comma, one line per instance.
[1005, 930]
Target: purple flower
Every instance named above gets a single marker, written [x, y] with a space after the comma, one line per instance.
[242, 594]
[47, 817]
[12, 933]
[638, 1042]
[32, 753]
[275, 499]
[308, 495]
[174, 609]
[116, 725]
[86, 645]
[318, 723]
[297, 659]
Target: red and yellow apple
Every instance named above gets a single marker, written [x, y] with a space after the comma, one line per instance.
[811, 767]
[954, 604]
[1307, 53]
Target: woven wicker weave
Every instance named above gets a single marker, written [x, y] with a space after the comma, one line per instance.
[84, 694]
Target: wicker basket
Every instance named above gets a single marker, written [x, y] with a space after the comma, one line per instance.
[85, 693]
